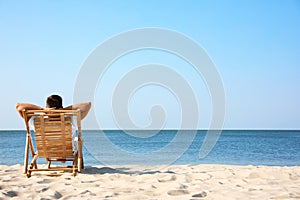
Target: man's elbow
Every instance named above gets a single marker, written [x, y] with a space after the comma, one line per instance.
[87, 107]
[89, 104]
[18, 107]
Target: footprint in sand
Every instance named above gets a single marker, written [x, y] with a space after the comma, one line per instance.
[45, 181]
[173, 178]
[177, 192]
[200, 195]
[57, 195]
[11, 194]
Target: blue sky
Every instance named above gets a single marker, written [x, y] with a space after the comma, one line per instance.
[255, 46]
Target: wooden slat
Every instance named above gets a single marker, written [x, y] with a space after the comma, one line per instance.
[52, 123]
[53, 130]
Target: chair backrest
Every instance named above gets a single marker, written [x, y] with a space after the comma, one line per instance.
[53, 131]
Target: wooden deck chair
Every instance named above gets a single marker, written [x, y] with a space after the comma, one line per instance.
[53, 139]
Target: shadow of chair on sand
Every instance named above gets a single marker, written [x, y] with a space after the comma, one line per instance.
[120, 170]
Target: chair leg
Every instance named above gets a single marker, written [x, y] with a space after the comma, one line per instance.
[26, 155]
[31, 166]
[75, 165]
[82, 163]
[49, 163]
[28, 174]
[32, 152]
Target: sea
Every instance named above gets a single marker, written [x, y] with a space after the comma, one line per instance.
[144, 147]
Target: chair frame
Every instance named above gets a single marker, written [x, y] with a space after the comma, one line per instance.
[44, 131]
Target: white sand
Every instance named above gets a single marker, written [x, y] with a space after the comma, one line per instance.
[160, 182]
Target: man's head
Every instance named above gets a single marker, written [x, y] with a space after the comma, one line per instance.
[54, 101]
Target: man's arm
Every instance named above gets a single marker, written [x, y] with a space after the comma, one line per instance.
[83, 107]
[27, 106]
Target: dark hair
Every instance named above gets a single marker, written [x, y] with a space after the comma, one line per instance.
[54, 101]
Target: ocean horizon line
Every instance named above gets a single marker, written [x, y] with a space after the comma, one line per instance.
[174, 129]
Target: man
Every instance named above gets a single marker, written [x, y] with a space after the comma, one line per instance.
[55, 102]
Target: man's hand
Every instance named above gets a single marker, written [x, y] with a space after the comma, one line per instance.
[27, 106]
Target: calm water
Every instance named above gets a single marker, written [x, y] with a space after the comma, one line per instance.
[239, 147]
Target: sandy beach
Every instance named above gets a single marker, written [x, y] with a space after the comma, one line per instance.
[156, 182]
